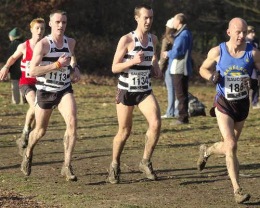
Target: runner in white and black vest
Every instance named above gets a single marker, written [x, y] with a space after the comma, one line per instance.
[55, 67]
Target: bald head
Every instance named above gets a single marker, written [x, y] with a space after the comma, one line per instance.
[237, 22]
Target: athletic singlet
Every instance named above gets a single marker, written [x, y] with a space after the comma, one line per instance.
[26, 79]
[138, 77]
[56, 80]
[233, 70]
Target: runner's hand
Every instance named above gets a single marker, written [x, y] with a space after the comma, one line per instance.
[75, 75]
[64, 60]
[215, 77]
[3, 73]
[139, 57]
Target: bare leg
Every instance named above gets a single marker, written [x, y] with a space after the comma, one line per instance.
[68, 110]
[124, 115]
[216, 148]
[29, 120]
[42, 117]
[30, 115]
[150, 109]
[230, 131]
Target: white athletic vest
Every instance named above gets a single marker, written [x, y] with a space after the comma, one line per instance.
[138, 77]
[56, 80]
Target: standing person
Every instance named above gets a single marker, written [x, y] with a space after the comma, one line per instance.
[251, 38]
[54, 65]
[135, 60]
[15, 37]
[180, 65]
[234, 61]
[26, 83]
[167, 41]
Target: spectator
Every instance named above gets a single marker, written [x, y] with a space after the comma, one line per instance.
[180, 65]
[15, 37]
[167, 42]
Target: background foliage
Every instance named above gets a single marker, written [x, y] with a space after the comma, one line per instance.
[97, 25]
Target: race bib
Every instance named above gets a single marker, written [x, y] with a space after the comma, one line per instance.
[57, 78]
[27, 69]
[138, 80]
[234, 88]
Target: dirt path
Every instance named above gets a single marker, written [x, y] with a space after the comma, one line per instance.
[179, 184]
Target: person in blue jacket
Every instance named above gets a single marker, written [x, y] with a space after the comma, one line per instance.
[180, 65]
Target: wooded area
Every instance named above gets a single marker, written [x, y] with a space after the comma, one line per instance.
[97, 25]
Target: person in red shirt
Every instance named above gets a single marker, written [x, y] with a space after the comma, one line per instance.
[26, 83]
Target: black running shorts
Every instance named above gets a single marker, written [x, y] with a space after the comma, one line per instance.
[131, 98]
[49, 100]
[27, 88]
[238, 110]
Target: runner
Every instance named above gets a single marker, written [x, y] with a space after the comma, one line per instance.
[55, 67]
[234, 61]
[26, 83]
[135, 61]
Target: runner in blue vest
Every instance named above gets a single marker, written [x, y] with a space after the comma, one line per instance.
[234, 61]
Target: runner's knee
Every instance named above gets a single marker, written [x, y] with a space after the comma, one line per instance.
[124, 133]
[40, 132]
[155, 125]
[230, 147]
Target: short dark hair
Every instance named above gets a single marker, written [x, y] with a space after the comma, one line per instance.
[140, 6]
[58, 12]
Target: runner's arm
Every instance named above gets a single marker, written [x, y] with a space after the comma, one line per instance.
[11, 60]
[40, 49]
[125, 44]
[209, 63]
[75, 72]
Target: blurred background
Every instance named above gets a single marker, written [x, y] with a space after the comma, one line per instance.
[97, 25]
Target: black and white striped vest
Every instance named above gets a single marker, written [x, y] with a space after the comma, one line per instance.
[138, 77]
[56, 80]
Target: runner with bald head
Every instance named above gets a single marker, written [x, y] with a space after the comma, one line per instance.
[234, 61]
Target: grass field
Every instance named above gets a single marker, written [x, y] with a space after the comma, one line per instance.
[180, 185]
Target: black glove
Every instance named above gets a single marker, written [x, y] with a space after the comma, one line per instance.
[215, 77]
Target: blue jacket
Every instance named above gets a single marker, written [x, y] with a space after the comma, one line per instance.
[180, 61]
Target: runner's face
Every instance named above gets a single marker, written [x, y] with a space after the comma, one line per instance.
[238, 32]
[145, 19]
[58, 23]
[38, 30]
